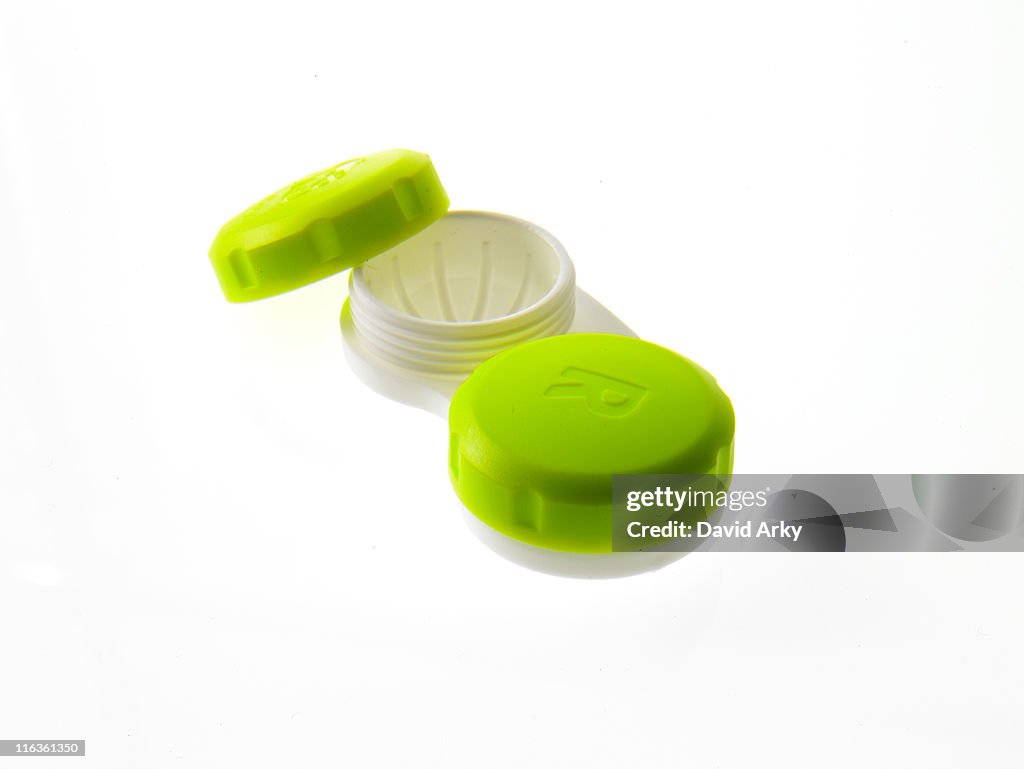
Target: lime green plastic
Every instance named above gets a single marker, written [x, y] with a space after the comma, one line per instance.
[328, 222]
[538, 431]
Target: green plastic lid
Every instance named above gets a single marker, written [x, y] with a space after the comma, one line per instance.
[328, 222]
[538, 431]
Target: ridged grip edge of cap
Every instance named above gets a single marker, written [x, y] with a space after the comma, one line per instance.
[327, 222]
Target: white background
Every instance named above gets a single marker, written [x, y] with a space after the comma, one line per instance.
[217, 548]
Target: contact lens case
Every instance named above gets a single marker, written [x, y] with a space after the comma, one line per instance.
[476, 317]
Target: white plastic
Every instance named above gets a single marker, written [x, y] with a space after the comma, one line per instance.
[579, 565]
[421, 316]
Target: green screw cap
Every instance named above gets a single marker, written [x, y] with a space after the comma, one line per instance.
[538, 431]
[328, 222]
